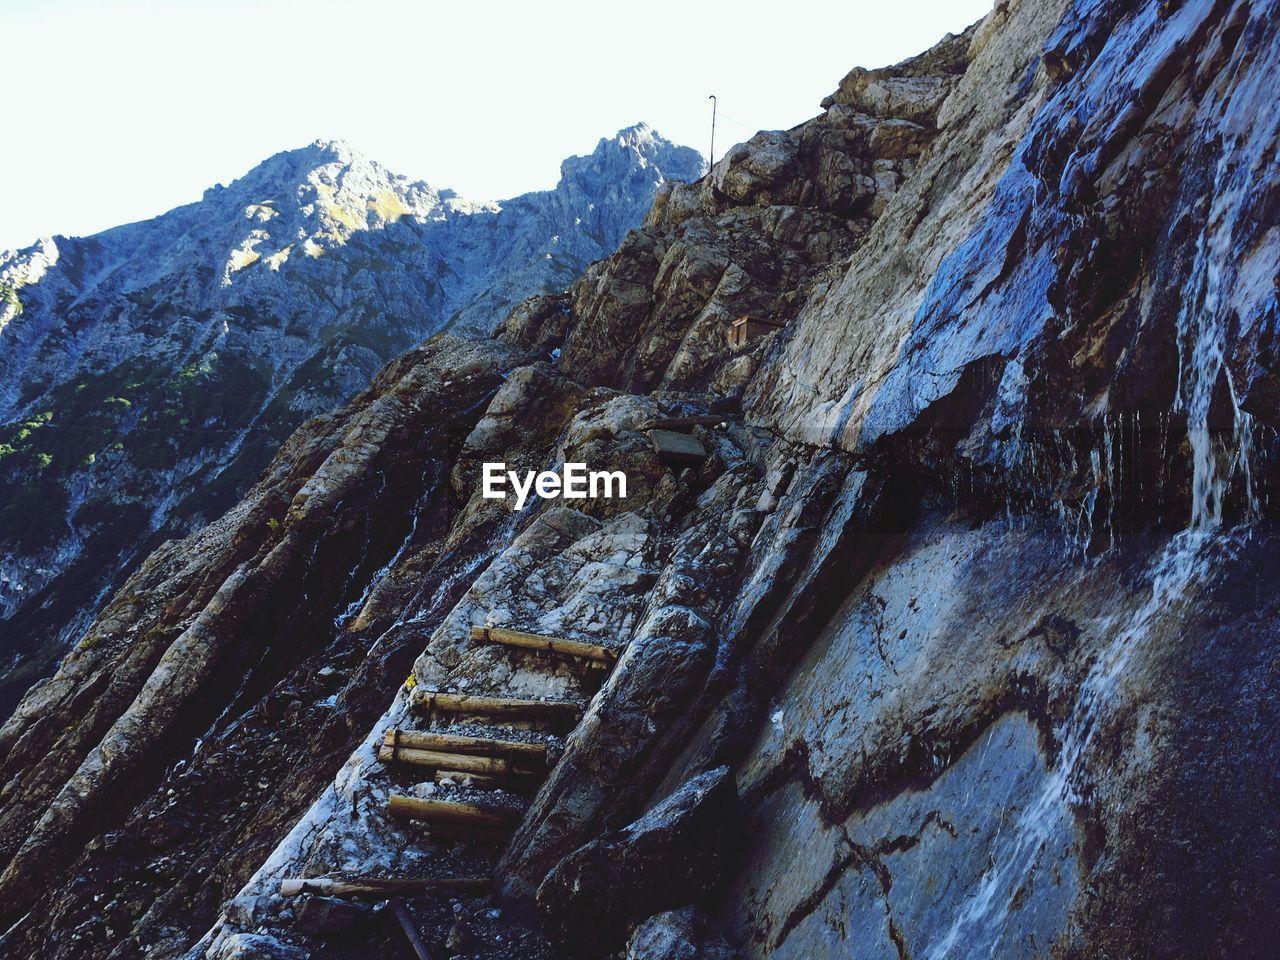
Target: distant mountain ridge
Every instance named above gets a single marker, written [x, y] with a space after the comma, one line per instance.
[148, 372]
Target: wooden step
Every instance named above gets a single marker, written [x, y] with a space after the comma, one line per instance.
[463, 763]
[380, 887]
[534, 641]
[451, 811]
[425, 701]
[459, 743]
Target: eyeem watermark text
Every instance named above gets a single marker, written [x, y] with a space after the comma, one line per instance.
[574, 482]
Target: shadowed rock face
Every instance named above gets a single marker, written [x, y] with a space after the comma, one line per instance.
[677, 852]
[973, 596]
[153, 370]
[683, 934]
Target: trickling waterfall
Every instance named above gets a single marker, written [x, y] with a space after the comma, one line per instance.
[1219, 460]
[1202, 363]
[1203, 322]
[980, 923]
[355, 606]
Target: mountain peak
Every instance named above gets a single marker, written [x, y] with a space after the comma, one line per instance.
[638, 147]
[639, 137]
[638, 133]
[338, 151]
[286, 170]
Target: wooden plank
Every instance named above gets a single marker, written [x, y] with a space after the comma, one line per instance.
[450, 811]
[463, 763]
[566, 710]
[748, 320]
[380, 887]
[458, 743]
[534, 641]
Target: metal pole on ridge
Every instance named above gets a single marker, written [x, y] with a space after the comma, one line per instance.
[711, 158]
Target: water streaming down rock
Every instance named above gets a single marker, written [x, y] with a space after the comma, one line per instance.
[981, 927]
[1221, 441]
[1216, 458]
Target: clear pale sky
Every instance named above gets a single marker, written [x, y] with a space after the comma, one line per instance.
[117, 110]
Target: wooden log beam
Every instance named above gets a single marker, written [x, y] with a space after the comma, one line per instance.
[460, 762]
[534, 641]
[457, 743]
[475, 779]
[451, 811]
[379, 887]
[424, 701]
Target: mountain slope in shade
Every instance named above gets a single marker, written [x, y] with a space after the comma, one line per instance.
[148, 373]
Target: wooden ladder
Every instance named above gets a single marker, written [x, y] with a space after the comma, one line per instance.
[491, 762]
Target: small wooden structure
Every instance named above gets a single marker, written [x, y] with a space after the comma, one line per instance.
[460, 763]
[677, 449]
[483, 781]
[747, 328]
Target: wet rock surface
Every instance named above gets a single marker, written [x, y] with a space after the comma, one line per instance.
[970, 601]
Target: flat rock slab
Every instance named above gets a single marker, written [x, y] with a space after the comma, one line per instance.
[677, 448]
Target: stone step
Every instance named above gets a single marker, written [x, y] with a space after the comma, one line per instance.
[677, 449]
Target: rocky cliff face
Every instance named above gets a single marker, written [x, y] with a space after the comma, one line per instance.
[148, 374]
[959, 641]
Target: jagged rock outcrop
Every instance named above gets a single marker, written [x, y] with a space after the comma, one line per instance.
[677, 852]
[971, 594]
[757, 236]
[211, 672]
[154, 369]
